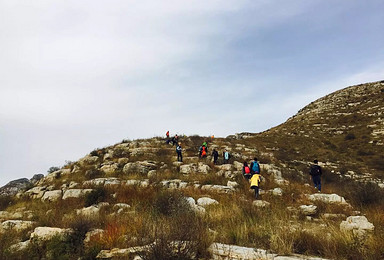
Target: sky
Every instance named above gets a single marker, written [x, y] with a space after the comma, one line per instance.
[80, 75]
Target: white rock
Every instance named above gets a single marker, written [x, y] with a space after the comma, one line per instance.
[109, 169]
[359, 225]
[261, 203]
[238, 165]
[225, 167]
[16, 225]
[21, 246]
[196, 208]
[76, 193]
[203, 168]
[231, 252]
[121, 206]
[91, 211]
[327, 198]
[95, 233]
[232, 184]
[277, 192]
[188, 168]
[46, 233]
[205, 201]
[53, 195]
[218, 188]
[308, 210]
[36, 192]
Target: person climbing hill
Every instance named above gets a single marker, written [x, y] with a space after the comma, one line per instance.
[203, 152]
[255, 182]
[255, 166]
[315, 172]
[247, 171]
[215, 155]
[167, 134]
[226, 156]
[179, 152]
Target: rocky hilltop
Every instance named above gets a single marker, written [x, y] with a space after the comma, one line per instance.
[133, 200]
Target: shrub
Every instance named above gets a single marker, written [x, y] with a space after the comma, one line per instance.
[364, 194]
[93, 173]
[350, 136]
[97, 195]
[5, 201]
[170, 203]
[53, 169]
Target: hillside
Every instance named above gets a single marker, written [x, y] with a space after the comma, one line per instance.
[134, 200]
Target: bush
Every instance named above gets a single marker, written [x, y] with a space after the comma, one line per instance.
[170, 203]
[5, 201]
[97, 195]
[350, 136]
[53, 169]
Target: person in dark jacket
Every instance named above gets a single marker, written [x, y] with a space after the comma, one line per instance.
[315, 171]
[215, 155]
[179, 154]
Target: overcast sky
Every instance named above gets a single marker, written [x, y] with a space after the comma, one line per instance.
[78, 75]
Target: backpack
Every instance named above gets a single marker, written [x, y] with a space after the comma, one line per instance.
[247, 170]
[315, 170]
[256, 167]
[226, 155]
[203, 152]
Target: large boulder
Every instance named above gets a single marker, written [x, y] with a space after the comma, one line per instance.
[218, 188]
[358, 225]
[14, 187]
[91, 211]
[327, 198]
[261, 203]
[102, 182]
[196, 208]
[188, 168]
[50, 196]
[205, 201]
[139, 167]
[203, 168]
[36, 192]
[76, 193]
[109, 169]
[47, 233]
[36, 178]
[16, 225]
[308, 210]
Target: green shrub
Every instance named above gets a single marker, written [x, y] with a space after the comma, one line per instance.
[53, 169]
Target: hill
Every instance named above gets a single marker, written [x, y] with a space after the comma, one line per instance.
[134, 200]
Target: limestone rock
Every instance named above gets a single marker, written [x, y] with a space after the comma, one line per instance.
[327, 198]
[36, 192]
[101, 181]
[36, 178]
[261, 203]
[203, 168]
[91, 211]
[277, 192]
[139, 167]
[359, 225]
[16, 225]
[231, 252]
[14, 187]
[109, 169]
[53, 195]
[192, 203]
[218, 188]
[92, 234]
[47, 233]
[225, 167]
[232, 184]
[238, 165]
[308, 210]
[205, 201]
[21, 246]
[188, 168]
[76, 193]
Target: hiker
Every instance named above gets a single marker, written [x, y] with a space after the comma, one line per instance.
[203, 153]
[178, 151]
[226, 156]
[175, 140]
[315, 172]
[215, 155]
[255, 182]
[247, 171]
[255, 166]
[167, 134]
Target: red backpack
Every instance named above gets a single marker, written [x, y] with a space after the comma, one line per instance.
[247, 170]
